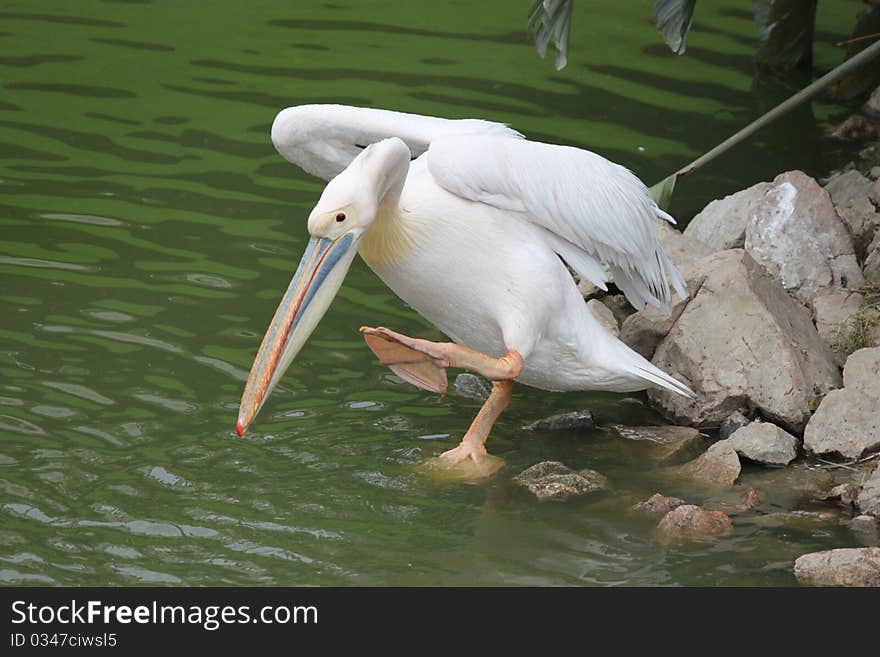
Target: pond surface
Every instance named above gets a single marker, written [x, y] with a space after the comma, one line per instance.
[148, 228]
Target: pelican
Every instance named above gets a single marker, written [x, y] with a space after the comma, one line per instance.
[472, 225]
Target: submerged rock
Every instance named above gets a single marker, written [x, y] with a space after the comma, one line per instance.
[765, 443]
[573, 421]
[718, 466]
[847, 421]
[471, 386]
[692, 520]
[731, 423]
[659, 504]
[552, 480]
[669, 443]
[750, 499]
[841, 567]
[856, 128]
[722, 224]
[795, 233]
[742, 342]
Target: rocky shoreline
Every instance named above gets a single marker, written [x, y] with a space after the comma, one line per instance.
[779, 336]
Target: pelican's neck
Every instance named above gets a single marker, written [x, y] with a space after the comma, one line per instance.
[388, 239]
[386, 164]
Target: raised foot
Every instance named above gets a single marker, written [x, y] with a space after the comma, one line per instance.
[419, 362]
[468, 462]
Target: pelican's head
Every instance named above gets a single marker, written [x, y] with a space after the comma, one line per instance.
[347, 208]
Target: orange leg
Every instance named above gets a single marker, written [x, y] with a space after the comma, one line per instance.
[423, 363]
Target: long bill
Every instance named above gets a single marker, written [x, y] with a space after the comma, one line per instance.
[314, 285]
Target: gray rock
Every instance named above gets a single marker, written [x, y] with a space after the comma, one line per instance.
[866, 528]
[692, 520]
[872, 105]
[847, 187]
[574, 421]
[742, 342]
[872, 259]
[552, 480]
[836, 319]
[862, 221]
[731, 423]
[669, 444]
[718, 466]
[847, 421]
[644, 330]
[722, 224]
[856, 128]
[682, 249]
[764, 442]
[795, 233]
[874, 173]
[841, 567]
[471, 386]
[659, 504]
[845, 495]
[604, 315]
[869, 496]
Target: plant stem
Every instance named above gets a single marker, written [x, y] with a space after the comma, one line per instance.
[805, 94]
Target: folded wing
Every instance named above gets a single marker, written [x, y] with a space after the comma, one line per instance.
[600, 216]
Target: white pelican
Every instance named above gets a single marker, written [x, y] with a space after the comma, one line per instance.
[471, 225]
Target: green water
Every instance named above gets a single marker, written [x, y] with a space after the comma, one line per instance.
[147, 229]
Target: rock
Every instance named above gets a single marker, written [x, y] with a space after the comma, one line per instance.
[644, 330]
[552, 480]
[659, 504]
[604, 315]
[731, 423]
[872, 260]
[872, 105]
[841, 567]
[764, 442]
[792, 485]
[682, 250]
[847, 421]
[574, 421]
[471, 386]
[848, 187]
[856, 128]
[869, 497]
[836, 320]
[749, 500]
[669, 444]
[722, 224]
[692, 520]
[845, 495]
[795, 233]
[866, 528]
[587, 288]
[862, 221]
[874, 173]
[742, 342]
[718, 466]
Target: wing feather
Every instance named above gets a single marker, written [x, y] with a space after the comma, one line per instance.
[596, 206]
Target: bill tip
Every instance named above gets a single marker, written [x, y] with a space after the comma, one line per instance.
[239, 429]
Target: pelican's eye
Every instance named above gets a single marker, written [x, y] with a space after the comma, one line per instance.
[340, 217]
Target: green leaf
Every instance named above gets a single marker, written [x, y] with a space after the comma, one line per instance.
[673, 19]
[551, 20]
[785, 33]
